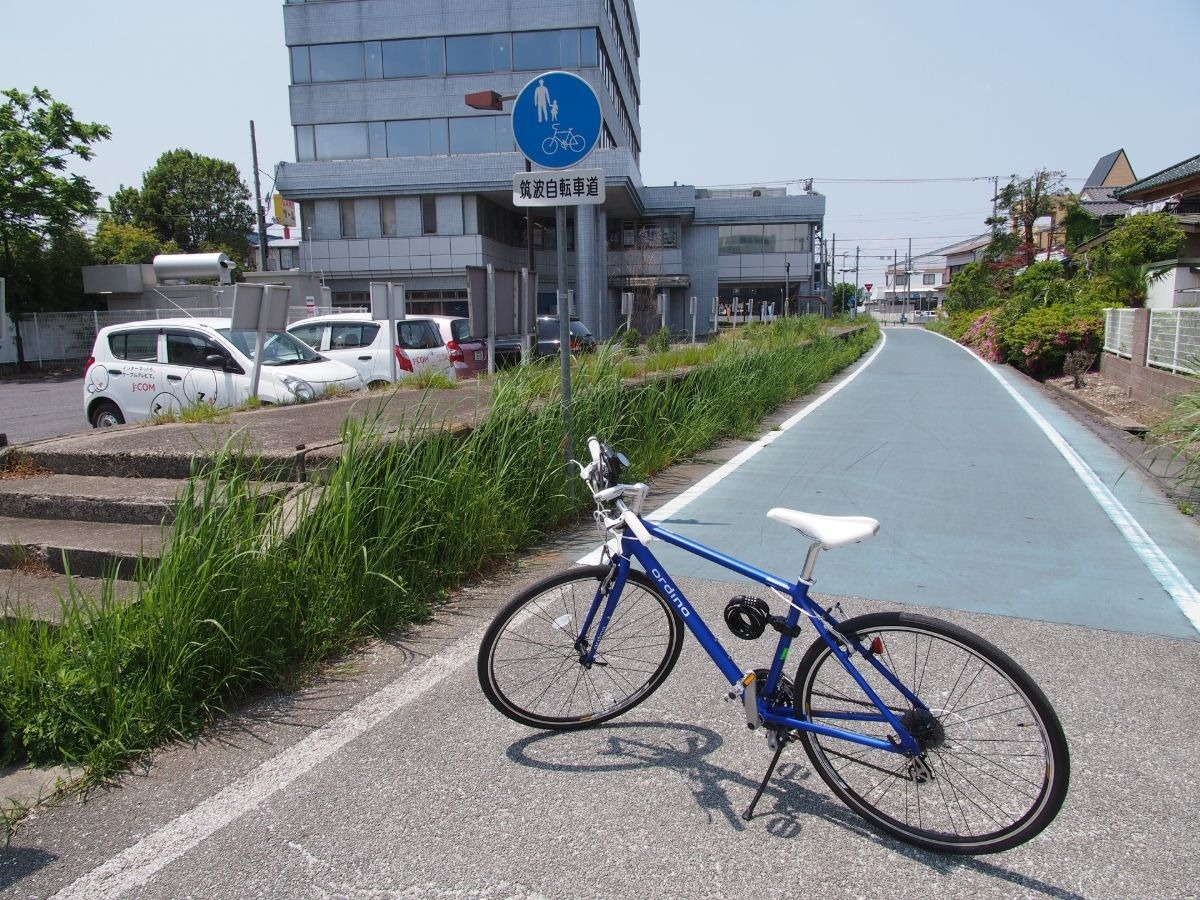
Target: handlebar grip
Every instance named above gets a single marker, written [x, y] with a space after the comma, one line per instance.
[594, 448]
[634, 524]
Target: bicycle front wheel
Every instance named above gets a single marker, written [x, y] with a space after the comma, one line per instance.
[530, 662]
[995, 765]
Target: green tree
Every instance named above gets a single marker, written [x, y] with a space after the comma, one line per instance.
[974, 287]
[1151, 237]
[843, 296]
[1042, 284]
[121, 243]
[1025, 200]
[196, 201]
[1079, 225]
[41, 203]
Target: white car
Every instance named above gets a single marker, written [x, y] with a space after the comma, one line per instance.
[139, 370]
[362, 342]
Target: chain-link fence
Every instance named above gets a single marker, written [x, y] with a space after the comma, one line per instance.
[52, 340]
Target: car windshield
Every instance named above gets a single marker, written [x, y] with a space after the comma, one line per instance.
[279, 347]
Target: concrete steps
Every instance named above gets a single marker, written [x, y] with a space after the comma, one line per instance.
[93, 527]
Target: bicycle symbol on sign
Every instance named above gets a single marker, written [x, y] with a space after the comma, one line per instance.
[567, 140]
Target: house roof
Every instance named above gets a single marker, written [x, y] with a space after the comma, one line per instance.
[1189, 168]
[1099, 209]
[1103, 167]
[974, 243]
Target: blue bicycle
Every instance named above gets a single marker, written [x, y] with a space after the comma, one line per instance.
[927, 731]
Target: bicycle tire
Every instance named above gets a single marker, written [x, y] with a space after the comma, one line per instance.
[978, 744]
[549, 145]
[577, 143]
[529, 667]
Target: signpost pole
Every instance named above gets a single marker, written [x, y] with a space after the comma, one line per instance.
[564, 326]
[556, 122]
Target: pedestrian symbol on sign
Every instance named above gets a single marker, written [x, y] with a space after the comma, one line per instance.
[556, 120]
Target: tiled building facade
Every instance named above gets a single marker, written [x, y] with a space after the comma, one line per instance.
[399, 180]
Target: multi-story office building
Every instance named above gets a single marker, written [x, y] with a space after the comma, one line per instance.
[398, 179]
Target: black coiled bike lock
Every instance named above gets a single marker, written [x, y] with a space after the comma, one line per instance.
[747, 617]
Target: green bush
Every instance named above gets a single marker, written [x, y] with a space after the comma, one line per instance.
[659, 342]
[630, 339]
[1038, 341]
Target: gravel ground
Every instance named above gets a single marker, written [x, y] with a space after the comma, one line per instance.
[1110, 396]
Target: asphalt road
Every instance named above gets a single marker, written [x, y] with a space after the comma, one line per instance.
[394, 778]
[41, 406]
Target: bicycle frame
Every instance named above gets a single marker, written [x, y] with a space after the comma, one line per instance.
[799, 604]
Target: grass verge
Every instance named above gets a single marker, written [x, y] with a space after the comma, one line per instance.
[246, 599]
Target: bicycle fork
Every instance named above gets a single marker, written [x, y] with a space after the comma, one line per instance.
[603, 604]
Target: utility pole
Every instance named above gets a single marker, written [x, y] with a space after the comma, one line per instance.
[895, 274]
[907, 278]
[832, 263]
[262, 218]
[995, 194]
[854, 310]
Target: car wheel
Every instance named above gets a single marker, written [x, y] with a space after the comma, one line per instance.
[106, 414]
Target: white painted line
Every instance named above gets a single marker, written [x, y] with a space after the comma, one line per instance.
[135, 866]
[1173, 581]
[708, 482]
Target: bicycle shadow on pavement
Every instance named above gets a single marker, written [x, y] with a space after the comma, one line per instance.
[786, 803]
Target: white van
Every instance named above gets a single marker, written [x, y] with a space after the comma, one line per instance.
[157, 367]
[362, 342]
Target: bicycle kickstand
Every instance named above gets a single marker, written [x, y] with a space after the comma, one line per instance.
[749, 813]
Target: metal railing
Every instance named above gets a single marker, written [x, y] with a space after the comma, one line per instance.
[1174, 340]
[1118, 332]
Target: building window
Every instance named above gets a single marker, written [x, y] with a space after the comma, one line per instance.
[306, 150]
[473, 135]
[429, 215]
[344, 141]
[784, 237]
[413, 58]
[589, 48]
[387, 217]
[929, 278]
[469, 54]
[301, 73]
[337, 62]
[538, 50]
[346, 211]
[409, 137]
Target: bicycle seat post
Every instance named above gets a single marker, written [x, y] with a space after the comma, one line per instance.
[810, 562]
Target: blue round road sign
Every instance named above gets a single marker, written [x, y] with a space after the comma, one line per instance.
[556, 120]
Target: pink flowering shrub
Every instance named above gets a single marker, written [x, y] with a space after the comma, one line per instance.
[983, 336]
[1038, 341]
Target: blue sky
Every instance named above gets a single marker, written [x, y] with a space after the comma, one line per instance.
[871, 99]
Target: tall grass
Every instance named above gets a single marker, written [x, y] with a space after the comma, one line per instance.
[1180, 434]
[247, 597]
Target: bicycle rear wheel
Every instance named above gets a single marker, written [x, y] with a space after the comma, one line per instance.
[995, 766]
[530, 659]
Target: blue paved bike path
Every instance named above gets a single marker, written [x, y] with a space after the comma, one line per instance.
[979, 510]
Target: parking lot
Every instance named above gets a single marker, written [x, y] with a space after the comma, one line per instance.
[41, 405]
